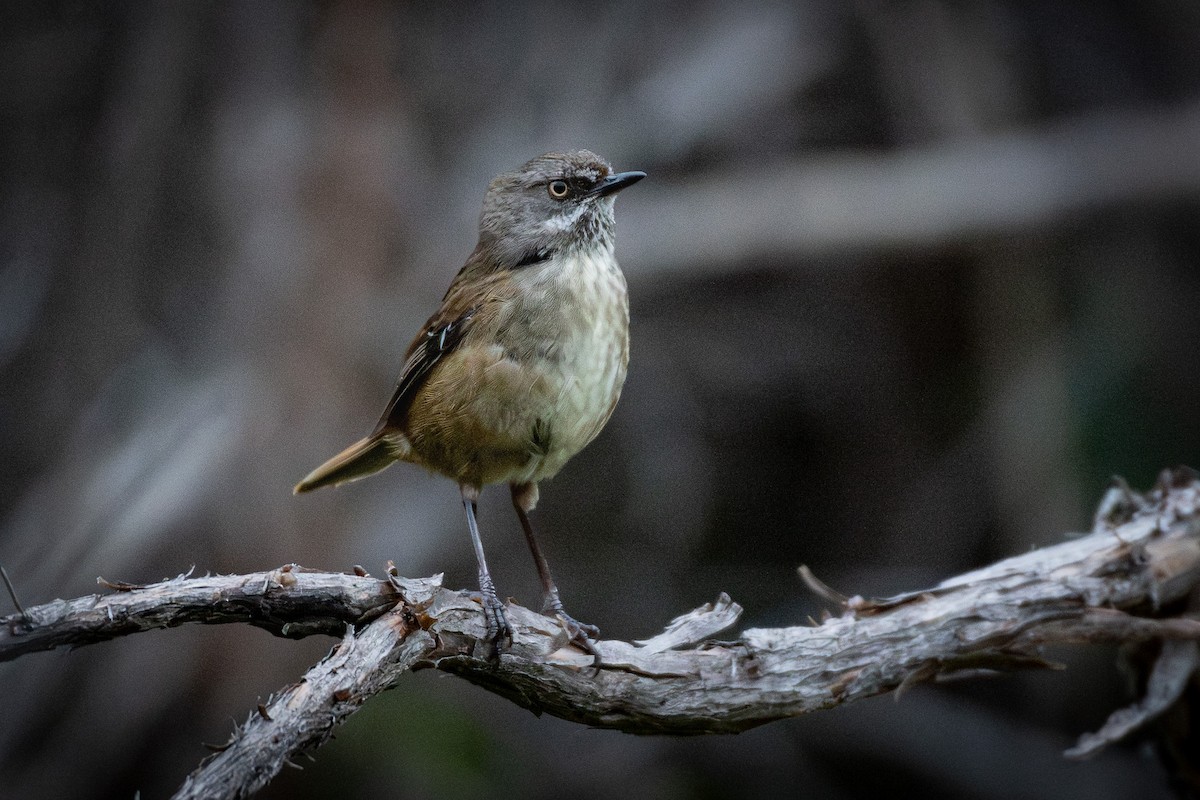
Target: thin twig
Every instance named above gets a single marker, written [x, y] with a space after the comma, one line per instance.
[12, 593]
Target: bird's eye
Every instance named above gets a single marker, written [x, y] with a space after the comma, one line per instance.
[559, 189]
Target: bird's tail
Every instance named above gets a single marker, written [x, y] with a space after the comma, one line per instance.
[364, 457]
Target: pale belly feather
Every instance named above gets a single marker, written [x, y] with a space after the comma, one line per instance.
[542, 386]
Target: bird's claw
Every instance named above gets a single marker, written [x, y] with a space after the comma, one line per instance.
[581, 634]
[499, 629]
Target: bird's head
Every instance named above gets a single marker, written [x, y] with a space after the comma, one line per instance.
[556, 203]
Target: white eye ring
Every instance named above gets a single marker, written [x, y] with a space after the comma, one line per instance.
[558, 189]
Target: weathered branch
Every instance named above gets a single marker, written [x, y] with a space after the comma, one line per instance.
[289, 601]
[1111, 585]
[305, 714]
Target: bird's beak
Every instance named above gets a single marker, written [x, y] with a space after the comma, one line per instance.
[617, 182]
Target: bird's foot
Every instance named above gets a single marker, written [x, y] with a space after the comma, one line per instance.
[582, 635]
[499, 629]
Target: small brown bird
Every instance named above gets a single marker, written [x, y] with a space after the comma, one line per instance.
[523, 364]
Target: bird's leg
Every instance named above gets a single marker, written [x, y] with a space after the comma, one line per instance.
[525, 497]
[498, 627]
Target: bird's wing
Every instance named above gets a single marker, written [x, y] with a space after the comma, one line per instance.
[475, 285]
[443, 332]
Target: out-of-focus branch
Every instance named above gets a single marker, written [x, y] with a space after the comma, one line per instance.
[913, 199]
[1108, 586]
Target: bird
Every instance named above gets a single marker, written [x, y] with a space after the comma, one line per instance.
[523, 363]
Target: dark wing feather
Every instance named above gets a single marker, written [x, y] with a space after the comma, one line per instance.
[442, 333]
[469, 291]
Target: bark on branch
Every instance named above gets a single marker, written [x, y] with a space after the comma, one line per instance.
[1112, 585]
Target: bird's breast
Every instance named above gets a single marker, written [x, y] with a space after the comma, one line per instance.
[571, 331]
[536, 381]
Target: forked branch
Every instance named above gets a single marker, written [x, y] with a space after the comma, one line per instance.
[1111, 585]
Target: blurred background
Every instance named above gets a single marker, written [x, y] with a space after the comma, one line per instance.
[909, 282]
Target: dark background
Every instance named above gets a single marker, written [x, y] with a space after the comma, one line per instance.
[909, 282]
